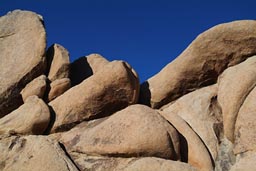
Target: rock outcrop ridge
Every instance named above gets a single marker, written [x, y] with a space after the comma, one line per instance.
[197, 114]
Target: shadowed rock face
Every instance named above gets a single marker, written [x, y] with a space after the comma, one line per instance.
[22, 49]
[85, 67]
[202, 62]
[92, 121]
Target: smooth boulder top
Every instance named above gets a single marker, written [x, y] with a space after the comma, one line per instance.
[22, 49]
[132, 132]
[201, 62]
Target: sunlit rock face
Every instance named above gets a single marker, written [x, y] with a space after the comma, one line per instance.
[22, 50]
[196, 114]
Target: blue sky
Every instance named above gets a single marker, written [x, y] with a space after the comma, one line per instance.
[147, 34]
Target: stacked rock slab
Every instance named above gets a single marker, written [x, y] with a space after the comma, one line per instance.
[134, 131]
[112, 88]
[36, 87]
[33, 117]
[58, 71]
[210, 53]
[22, 49]
[58, 87]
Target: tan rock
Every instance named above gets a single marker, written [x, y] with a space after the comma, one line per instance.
[58, 87]
[30, 153]
[245, 162]
[85, 67]
[22, 47]
[245, 126]
[192, 149]
[58, 59]
[96, 62]
[101, 163]
[153, 164]
[134, 131]
[200, 111]
[33, 117]
[200, 64]
[36, 87]
[112, 88]
[234, 85]
[74, 131]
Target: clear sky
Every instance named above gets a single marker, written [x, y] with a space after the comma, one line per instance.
[147, 34]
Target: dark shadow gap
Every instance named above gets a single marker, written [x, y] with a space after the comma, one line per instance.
[80, 69]
[67, 154]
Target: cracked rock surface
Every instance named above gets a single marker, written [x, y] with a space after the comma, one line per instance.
[29, 153]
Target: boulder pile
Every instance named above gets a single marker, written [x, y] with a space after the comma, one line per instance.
[197, 114]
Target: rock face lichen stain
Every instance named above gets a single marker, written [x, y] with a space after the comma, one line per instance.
[197, 113]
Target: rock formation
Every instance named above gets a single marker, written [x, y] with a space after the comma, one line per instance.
[58, 87]
[85, 67]
[58, 62]
[136, 130]
[22, 49]
[33, 153]
[114, 87]
[36, 87]
[33, 117]
[196, 114]
[210, 53]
